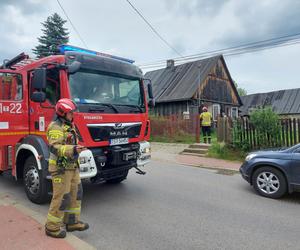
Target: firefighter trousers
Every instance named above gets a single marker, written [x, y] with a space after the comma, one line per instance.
[206, 131]
[65, 205]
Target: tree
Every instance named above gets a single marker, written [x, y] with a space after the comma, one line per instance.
[54, 34]
[241, 91]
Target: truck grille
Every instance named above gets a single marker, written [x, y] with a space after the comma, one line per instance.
[106, 131]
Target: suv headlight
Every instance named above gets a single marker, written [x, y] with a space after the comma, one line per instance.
[250, 156]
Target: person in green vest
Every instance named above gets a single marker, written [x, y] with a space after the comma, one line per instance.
[205, 122]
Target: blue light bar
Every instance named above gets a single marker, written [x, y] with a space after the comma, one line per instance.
[64, 48]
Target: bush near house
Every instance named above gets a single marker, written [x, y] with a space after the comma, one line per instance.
[264, 129]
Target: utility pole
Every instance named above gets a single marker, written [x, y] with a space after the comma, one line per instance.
[198, 106]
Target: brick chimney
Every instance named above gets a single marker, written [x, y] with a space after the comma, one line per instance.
[170, 64]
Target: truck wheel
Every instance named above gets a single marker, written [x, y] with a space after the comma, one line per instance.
[269, 182]
[118, 179]
[36, 187]
[1, 172]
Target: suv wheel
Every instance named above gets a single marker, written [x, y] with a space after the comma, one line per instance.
[269, 182]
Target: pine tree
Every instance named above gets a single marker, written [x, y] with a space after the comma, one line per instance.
[54, 34]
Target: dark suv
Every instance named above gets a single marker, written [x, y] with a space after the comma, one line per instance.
[273, 173]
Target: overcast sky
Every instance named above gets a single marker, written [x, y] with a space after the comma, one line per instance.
[191, 26]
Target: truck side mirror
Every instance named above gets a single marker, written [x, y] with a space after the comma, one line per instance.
[74, 67]
[38, 96]
[39, 79]
[150, 91]
[151, 103]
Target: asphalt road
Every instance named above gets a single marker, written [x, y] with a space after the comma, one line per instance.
[179, 207]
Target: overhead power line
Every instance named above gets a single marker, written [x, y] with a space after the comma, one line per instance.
[77, 32]
[153, 29]
[287, 40]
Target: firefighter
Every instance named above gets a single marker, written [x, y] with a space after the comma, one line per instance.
[65, 206]
[206, 121]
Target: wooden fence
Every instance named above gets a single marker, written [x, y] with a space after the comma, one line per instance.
[170, 126]
[243, 132]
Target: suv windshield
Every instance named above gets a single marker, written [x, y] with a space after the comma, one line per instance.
[97, 88]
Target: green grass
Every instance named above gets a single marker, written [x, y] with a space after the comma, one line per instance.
[187, 139]
[180, 138]
[225, 152]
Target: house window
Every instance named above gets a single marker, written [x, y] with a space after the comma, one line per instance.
[234, 112]
[216, 111]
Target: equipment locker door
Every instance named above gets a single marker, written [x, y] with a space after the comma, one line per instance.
[14, 121]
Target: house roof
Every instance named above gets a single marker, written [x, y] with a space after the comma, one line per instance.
[181, 82]
[283, 101]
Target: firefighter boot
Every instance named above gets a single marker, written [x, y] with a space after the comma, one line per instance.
[61, 233]
[205, 140]
[79, 226]
[209, 140]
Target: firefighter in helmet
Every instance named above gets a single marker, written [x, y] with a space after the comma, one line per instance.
[65, 206]
[206, 121]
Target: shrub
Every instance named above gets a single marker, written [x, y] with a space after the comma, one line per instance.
[267, 125]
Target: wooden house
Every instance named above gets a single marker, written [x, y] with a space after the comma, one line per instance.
[184, 89]
[285, 103]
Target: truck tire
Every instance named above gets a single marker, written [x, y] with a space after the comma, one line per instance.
[269, 182]
[36, 187]
[118, 179]
[1, 172]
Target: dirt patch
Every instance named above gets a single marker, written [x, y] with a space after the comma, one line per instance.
[226, 172]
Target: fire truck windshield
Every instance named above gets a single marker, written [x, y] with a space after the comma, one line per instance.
[116, 93]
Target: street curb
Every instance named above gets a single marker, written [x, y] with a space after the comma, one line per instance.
[71, 239]
[157, 158]
[235, 171]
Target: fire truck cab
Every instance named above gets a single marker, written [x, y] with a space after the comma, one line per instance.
[111, 120]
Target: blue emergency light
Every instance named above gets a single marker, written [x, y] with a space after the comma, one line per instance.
[64, 48]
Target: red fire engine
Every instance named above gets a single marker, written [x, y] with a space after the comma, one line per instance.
[111, 120]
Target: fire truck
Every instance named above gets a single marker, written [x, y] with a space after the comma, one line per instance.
[111, 120]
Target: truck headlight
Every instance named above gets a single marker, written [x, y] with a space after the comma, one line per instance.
[249, 157]
[146, 150]
[83, 159]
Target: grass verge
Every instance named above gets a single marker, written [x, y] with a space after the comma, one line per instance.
[225, 152]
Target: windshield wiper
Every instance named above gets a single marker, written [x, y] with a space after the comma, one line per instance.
[100, 104]
[100, 110]
[133, 106]
[109, 105]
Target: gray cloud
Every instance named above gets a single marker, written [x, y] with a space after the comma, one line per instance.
[27, 7]
[195, 7]
[263, 21]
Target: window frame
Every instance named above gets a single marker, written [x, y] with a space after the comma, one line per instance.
[213, 111]
[22, 86]
[236, 112]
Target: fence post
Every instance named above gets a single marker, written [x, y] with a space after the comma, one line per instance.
[294, 131]
[197, 129]
[298, 123]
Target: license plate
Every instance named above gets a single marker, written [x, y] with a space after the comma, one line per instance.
[118, 141]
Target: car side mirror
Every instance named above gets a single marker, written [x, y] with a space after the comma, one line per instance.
[39, 79]
[38, 96]
[74, 67]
